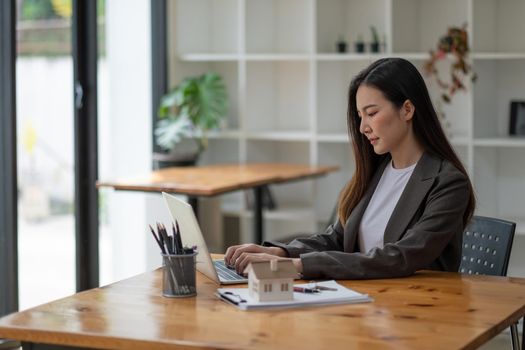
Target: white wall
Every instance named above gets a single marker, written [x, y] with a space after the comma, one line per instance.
[129, 68]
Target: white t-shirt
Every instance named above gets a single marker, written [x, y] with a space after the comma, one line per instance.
[381, 206]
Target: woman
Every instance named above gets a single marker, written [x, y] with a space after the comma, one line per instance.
[409, 200]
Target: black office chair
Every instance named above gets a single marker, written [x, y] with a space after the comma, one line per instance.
[487, 243]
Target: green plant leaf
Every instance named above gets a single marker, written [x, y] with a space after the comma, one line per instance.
[196, 105]
[169, 132]
[375, 35]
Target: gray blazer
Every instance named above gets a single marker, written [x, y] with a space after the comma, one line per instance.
[424, 231]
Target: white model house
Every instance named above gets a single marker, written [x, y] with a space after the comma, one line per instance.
[271, 280]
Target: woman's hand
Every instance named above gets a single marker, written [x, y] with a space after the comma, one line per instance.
[241, 255]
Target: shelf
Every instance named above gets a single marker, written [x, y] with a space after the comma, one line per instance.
[498, 55]
[349, 56]
[276, 57]
[288, 88]
[335, 138]
[224, 134]
[417, 56]
[279, 135]
[343, 138]
[227, 57]
[209, 57]
[500, 142]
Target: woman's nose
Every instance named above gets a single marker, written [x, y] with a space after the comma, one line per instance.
[364, 128]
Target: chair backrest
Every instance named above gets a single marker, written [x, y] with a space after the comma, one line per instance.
[487, 243]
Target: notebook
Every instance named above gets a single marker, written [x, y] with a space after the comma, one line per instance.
[192, 236]
[240, 298]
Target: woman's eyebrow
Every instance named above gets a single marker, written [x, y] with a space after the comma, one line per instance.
[367, 106]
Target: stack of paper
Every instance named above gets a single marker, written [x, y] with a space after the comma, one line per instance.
[339, 295]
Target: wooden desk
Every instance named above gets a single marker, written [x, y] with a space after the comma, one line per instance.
[430, 310]
[211, 180]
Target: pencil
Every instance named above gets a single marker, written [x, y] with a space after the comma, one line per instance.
[157, 239]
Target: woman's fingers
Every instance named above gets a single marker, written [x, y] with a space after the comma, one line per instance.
[246, 258]
[242, 262]
[244, 248]
[241, 255]
[229, 254]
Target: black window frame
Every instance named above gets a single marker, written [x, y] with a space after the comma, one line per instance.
[84, 41]
[8, 161]
[159, 60]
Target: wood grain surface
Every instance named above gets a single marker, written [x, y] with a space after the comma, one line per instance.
[430, 310]
[212, 180]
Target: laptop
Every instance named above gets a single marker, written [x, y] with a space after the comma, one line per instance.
[191, 236]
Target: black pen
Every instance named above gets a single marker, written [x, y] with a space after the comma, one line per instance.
[161, 238]
[178, 237]
[165, 238]
[175, 245]
[305, 290]
[157, 240]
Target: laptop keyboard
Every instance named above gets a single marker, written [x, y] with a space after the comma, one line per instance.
[225, 273]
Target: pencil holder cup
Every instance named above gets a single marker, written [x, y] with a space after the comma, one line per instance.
[178, 275]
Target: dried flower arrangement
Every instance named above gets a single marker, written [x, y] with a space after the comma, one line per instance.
[455, 43]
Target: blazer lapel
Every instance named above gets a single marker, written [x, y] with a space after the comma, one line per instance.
[351, 228]
[412, 196]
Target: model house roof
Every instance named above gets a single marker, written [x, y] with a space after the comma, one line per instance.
[263, 269]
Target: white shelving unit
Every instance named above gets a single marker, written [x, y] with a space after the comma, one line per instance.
[288, 90]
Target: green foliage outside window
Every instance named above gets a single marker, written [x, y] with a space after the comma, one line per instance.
[44, 27]
[37, 10]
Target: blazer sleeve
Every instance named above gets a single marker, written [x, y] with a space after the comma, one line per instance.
[440, 221]
[330, 240]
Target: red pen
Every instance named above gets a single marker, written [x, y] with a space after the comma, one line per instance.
[305, 290]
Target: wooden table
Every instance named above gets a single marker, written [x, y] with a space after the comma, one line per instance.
[431, 310]
[212, 180]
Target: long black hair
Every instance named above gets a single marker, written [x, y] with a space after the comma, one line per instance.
[399, 81]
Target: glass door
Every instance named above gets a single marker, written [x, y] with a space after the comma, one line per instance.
[45, 118]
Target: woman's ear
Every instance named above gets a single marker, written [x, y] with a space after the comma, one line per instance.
[407, 110]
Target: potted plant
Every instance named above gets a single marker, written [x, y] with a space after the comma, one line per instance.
[341, 44]
[374, 45]
[360, 44]
[185, 115]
